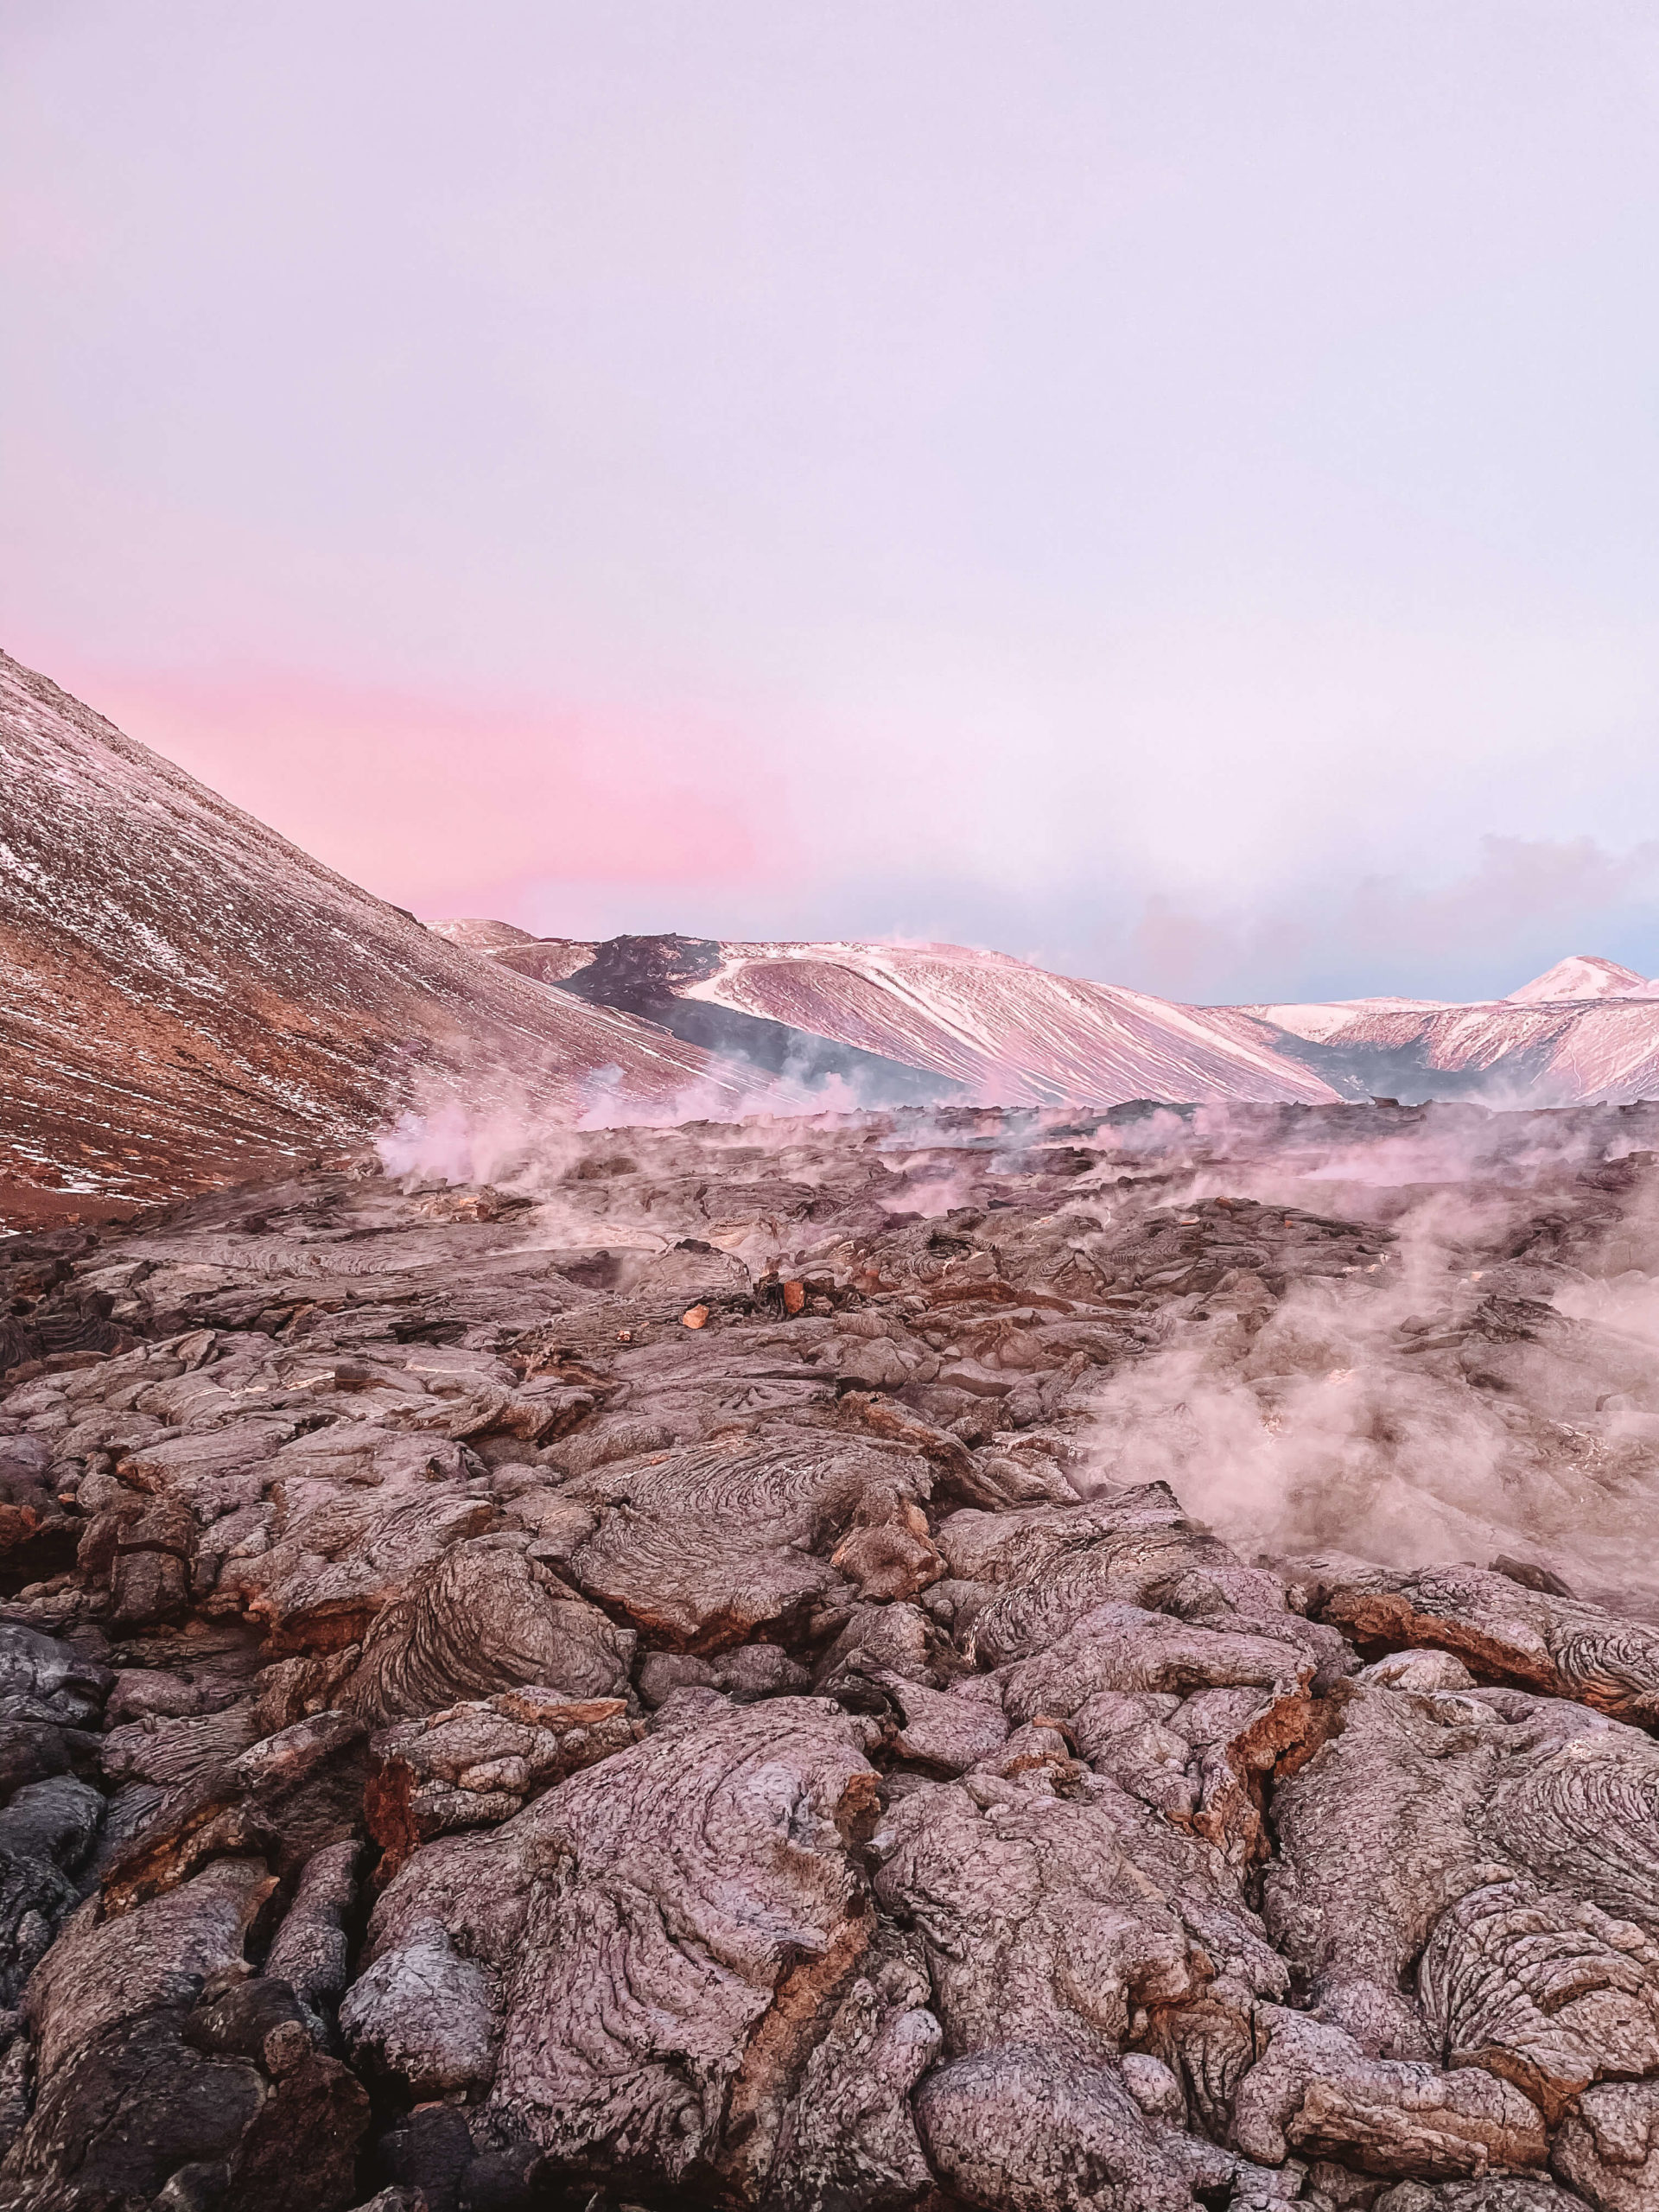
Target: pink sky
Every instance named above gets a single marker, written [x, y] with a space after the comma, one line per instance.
[1159, 490]
[362, 777]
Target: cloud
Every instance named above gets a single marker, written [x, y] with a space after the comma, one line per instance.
[1523, 905]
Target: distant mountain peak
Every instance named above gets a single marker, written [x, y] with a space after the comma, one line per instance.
[1580, 976]
[905, 1022]
[479, 936]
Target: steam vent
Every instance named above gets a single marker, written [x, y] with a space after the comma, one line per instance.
[802, 1577]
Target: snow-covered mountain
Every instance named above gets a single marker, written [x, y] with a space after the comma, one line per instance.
[186, 998]
[1007, 1032]
[905, 1023]
[1583, 976]
[1586, 1029]
[981, 1025]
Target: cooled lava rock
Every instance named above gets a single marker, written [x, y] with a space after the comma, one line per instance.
[1115, 1671]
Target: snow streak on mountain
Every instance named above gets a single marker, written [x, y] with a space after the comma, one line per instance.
[190, 999]
[186, 998]
[981, 1025]
[1586, 1030]
[984, 1027]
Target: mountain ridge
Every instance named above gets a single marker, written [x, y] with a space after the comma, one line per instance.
[985, 1025]
[1005, 1031]
[187, 998]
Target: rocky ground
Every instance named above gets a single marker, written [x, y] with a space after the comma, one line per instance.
[676, 1679]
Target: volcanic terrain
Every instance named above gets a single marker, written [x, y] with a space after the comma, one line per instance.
[1082, 1638]
[948, 1658]
[1586, 1029]
[884, 1024]
[186, 998]
[881, 1024]
[189, 1000]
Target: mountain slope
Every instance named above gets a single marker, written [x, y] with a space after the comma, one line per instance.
[1581, 975]
[973, 1024]
[1010, 1032]
[1587, 1029]
[984, 1027]
[186, 998]
[1539, 1044]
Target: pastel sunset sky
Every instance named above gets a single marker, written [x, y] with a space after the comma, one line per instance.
[1164, 487]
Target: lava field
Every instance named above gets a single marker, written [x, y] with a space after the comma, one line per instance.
[949, 1657]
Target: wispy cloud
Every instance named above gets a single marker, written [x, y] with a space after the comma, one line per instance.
[1524, 904]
